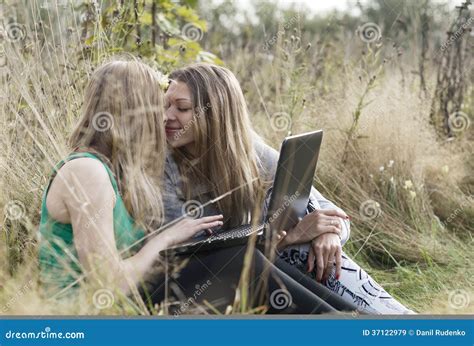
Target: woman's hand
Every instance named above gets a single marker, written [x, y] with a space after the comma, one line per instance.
[187, 228]
[325, 249]
[313, 225]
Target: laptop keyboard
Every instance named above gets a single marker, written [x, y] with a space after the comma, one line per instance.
[234, 233]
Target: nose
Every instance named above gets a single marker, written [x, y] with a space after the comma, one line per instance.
[169, 114]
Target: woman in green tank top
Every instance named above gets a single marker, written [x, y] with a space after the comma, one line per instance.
[104, 197]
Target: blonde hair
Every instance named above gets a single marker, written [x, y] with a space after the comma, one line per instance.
[225, 158]
[122, 122]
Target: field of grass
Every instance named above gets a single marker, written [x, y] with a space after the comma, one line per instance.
[408, 187]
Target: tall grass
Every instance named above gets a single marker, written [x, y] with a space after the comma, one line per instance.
[408, 191]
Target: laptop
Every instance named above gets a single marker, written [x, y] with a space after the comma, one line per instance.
[289, 197]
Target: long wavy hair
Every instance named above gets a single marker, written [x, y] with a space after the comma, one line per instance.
[224, 158]
[123, 123]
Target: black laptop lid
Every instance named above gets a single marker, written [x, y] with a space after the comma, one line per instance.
[293, 181]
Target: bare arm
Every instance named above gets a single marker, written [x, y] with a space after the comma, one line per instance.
[89, 199]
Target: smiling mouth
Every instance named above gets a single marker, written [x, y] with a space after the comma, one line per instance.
[173, 129]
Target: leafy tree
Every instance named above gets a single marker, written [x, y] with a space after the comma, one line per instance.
[159, 30]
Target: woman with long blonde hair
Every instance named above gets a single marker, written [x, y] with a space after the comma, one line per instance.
[217, 154]
[105, 196]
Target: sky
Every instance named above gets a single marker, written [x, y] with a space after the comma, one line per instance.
[321, 6]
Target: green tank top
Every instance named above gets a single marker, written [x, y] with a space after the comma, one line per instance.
[58, 260]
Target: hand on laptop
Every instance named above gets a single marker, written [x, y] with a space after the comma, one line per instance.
[313, 225]
[187, 228]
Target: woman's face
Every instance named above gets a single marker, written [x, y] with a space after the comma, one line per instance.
[179, 112]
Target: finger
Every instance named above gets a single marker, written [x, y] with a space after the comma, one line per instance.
[334, 212]
[331, 221]
[330, 229]
[319, 265]
[209, 225]
[329, 264]
[326, 257]
[338, 262]
[207, 219]
[311, 260]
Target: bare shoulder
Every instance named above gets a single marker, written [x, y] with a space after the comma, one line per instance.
[77, 181]
[85, 168]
